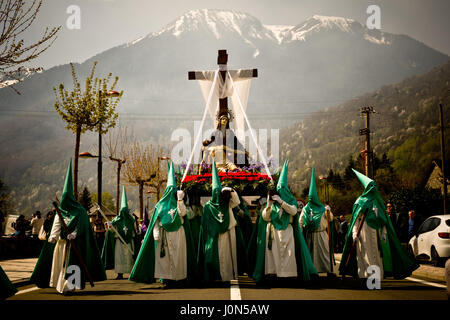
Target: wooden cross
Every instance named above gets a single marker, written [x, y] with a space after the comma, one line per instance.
[222, 60]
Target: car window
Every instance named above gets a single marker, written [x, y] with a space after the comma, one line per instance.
[447, 222]
[435, 222]
[429, 225]
[424, 226]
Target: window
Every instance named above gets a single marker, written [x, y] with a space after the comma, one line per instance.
[447, 222]
[429, 225]
[424, 226]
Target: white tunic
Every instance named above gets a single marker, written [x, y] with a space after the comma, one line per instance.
[320, 247]
[173, 266]
[281, 259]
[227, 244]
[367, 252]
[123, 258]
[60, 257]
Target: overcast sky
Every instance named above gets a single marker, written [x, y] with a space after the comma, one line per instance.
[108, 23]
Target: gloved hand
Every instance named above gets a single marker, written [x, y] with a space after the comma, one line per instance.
[52, 240]
[354, 237]
[180, 195]
[109, 224]
[277, 198]
[70, 236]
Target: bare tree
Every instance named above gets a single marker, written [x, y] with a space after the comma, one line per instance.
[141, 168]
[117, 142]
[15, 19]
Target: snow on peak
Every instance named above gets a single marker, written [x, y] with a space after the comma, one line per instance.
[223, 23]
[279, 31]
[215, 21]
[318, 23]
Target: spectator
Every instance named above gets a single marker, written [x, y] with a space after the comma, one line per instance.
[20, 226]
[99, 230]
[393, 216]
[343, 229]
[413, 224]
[36, 224]
[402, 227]
[47, 225]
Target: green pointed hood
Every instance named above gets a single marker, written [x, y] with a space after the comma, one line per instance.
[371, 202]
[70, 208]
[217, 209]
[166, 208]
[314, 209]
[282, 186]
[363, 179]
[216, 186]
[281, 223]
[125, 222]
[124, 202]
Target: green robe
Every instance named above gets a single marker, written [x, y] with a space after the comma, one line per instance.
[144, 268]
[85, 241]
[7, 289]
[123, 220]
[257, 248]
[211, 226]
[244, 221]
[42, 270]
[194, 222]
[397, 262]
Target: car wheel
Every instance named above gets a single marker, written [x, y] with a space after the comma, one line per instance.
[435, 259]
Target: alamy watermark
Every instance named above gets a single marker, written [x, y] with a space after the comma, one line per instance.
[374, 20]
[73, 21]
[374, 279]
[74, 280]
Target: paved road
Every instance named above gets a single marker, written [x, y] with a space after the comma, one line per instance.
[425, 284]
[245, 289]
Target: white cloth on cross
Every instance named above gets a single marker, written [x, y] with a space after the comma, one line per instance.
[223, 89]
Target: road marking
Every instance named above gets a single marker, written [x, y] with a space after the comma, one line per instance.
[426, 282]
[27, 290]
[421, 281]
[235, 292]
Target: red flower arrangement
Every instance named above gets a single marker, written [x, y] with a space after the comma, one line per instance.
[241, 175]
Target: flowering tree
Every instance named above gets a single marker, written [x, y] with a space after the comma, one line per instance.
[91, 109]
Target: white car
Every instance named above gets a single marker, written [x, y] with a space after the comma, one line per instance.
[432, 241]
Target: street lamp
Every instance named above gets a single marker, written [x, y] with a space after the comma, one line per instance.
[111, 93]
[120, 162]
[158, 191]
[149, 192]
[326, 194]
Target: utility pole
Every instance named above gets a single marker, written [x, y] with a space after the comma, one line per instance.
[441, 118]
[367, 152]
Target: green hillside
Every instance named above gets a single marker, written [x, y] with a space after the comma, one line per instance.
[405, 128]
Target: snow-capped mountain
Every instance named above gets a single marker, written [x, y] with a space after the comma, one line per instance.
[220, 24]
[317, 63]
[6, 81]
